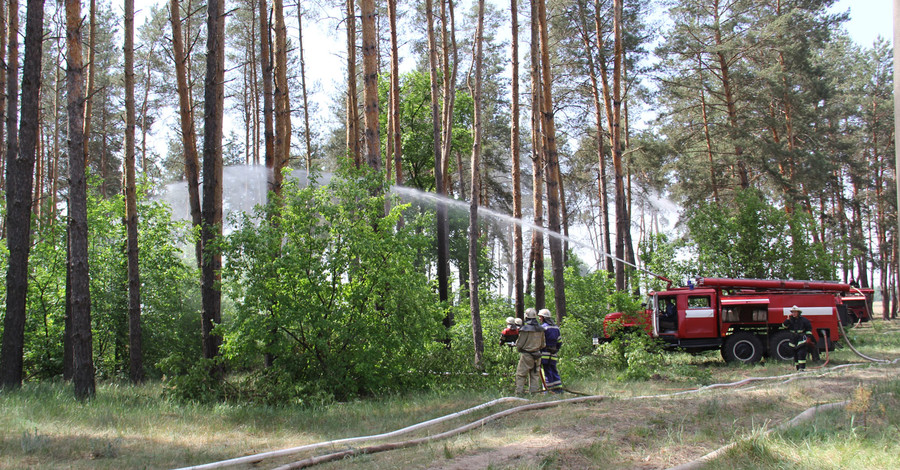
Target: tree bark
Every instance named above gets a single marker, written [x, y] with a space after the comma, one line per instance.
[282, 101]
[476, 193]
[552, 160]
[443, 241]
[214, 96]
[4, 34]
[80, 296]
[188, 131]
[307, 133]
[518, 282]
[265, 60]
[395, 95]
[623, 221]
[19, 178]
[135, 349]
[450, 76]
[88, 110]
[537, 160]
[352, 106]
[370, 84]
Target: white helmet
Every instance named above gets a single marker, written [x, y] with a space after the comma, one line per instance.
[544, 313]
[518, 322]
[510, 320]
[530, 313]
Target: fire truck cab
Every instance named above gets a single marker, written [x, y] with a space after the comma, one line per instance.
[740, 317]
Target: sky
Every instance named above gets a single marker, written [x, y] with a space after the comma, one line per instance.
[868, 19]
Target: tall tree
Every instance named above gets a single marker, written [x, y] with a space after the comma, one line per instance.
[135, 347]
[80, 293]
[268, 78]
[443, 235]
[20, 179]
[188, 129]
[352, 105]
[92, 73]
[282, 98]
[307, 132]
[476, 193]
[370, 84]
[537, 163]
[623, 220]
[516, 170]
[394, 131]
[213, 110]
[551, 155]
[4, 35]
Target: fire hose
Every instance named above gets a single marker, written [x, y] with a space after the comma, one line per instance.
[847, 340]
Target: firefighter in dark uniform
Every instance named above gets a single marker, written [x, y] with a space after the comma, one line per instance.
[550, 353]
[801, 330]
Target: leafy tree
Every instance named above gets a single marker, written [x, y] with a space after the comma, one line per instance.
[755, 240]
[351, 312]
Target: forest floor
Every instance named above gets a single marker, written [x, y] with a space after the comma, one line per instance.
[659, 423]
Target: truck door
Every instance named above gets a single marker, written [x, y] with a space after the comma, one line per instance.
[699, 317]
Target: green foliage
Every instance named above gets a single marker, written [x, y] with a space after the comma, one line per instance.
[328, 286]
[661, 257]
[590, 297]
[417, 139]
[755, 240]
[633, 353]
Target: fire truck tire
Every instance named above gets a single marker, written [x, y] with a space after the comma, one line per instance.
[742, 347]
[779, 346]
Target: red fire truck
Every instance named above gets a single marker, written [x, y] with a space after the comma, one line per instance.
[859, 304]
[740, 317]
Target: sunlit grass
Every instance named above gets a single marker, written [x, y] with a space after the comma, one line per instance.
[43, 426]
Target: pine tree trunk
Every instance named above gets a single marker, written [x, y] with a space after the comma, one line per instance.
[214, 96]
[268, 78]
[537, 160]
[443, 241]
[450, 77]
[135, 349]
[80, 296]
[552, 160]
[352, 106]
[395, 95]
[188, 131]
[4, 34]
[282, 100]
[518, 282]
[89, 105]
[307, 133]
[19, 174]
[476, 193]
[370, 84]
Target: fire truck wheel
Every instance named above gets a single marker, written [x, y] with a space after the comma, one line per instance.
[779, 346]
[742, 347]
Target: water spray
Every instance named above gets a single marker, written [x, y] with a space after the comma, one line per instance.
[416, 194]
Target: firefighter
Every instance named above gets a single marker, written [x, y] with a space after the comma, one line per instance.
[529, 345]
[509, 334]
[550, 352]
[801, 330]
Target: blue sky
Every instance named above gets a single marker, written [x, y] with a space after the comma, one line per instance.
[868, 19]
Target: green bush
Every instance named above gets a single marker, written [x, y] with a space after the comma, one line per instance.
[633, 354]
[329, 289]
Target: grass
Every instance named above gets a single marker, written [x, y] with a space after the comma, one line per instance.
[41, 425]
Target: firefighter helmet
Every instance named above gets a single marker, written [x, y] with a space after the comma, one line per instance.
[530, 313]
[544, 313]
[510, 320]
[796, 309]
